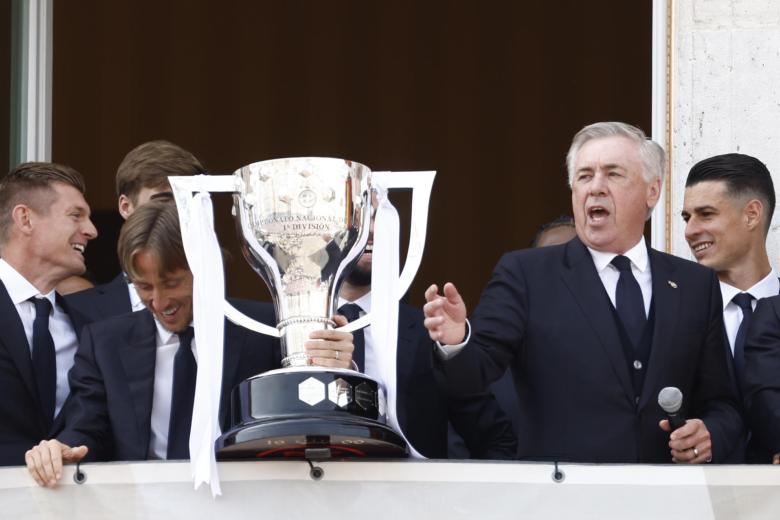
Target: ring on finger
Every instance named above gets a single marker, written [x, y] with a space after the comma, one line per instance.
[695, 451]
[337, 355]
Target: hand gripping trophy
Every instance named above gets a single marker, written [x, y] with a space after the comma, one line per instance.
[302, 224]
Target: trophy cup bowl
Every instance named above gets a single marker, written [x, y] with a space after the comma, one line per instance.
[302, 223]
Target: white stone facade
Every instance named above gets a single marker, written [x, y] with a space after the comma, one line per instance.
[725, 96]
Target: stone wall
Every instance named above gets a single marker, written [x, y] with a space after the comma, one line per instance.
[725, 93]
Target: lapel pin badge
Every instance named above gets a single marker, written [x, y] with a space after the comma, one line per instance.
[672, 284]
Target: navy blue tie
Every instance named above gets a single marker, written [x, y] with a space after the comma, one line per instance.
[629, 301]
[44, 359]
[185, 369]
[745, 302]
[351, 311]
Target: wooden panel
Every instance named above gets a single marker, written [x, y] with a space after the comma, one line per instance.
[487, 93]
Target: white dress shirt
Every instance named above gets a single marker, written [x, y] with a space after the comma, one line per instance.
[167, 345]
[732, 314]
[609, 275]
[640, 267]
[135, 301]
[65, 341]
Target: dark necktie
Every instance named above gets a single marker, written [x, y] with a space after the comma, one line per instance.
[43, 358]
[745, 302]
[184, 371]
[351, 311]
[628, 300]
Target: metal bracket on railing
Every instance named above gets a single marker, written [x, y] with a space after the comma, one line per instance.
[558, 475]
[315, 472]
[79, 477]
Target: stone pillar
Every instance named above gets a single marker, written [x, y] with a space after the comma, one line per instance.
[721, 62]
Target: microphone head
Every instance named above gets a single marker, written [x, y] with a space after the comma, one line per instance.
[670, 399]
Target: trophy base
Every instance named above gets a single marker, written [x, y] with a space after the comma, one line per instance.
[309, 413]
[299, 438]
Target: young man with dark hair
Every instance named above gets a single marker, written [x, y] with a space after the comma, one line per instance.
[728, 207]
[44, 230]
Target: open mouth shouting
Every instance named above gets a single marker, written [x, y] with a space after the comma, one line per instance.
[597, 214]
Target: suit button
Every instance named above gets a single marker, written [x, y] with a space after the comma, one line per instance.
[637, 364]
[636, 401]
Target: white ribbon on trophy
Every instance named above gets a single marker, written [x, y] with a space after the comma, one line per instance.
[205, 260]
[200, 244]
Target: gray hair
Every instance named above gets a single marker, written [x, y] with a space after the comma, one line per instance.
[650, 153]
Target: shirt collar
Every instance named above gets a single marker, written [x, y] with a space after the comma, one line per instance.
[364, 302]
[637, 255]
[764, 288]
[18, 287]
[165, 336]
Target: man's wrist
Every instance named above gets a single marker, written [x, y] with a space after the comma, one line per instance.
[448, 351]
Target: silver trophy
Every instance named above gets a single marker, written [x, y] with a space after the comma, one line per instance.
[302, 224]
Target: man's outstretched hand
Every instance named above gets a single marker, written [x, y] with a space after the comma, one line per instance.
[445, 316]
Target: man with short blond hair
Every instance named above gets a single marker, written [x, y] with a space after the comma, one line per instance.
[44, 230]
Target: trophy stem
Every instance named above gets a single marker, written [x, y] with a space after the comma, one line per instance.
[295, 333]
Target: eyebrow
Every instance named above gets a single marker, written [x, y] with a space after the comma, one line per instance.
[610, 166]
[79, 208]
[698, 209]
[614, 166]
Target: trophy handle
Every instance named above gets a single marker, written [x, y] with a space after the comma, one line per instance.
[421, 184]
[183, 188]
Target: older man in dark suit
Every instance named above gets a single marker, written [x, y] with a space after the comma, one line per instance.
[44, 229]
[595, 328]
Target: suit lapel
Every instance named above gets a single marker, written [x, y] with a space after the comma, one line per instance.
[15, 341]
[138, 354]
[405, 357]
[115, 299]
[406, 336]
[666, 303]
[580, 275]
[235, 337]
[77, 320]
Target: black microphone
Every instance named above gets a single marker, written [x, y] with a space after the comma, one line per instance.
[670, 399]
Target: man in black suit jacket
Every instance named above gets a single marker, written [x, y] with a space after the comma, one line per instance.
[595, 328]
[44, 229]
[424, 407]
[113, 379]
[131, 370]
[761, 382]
[142, 175]
[728, 207]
